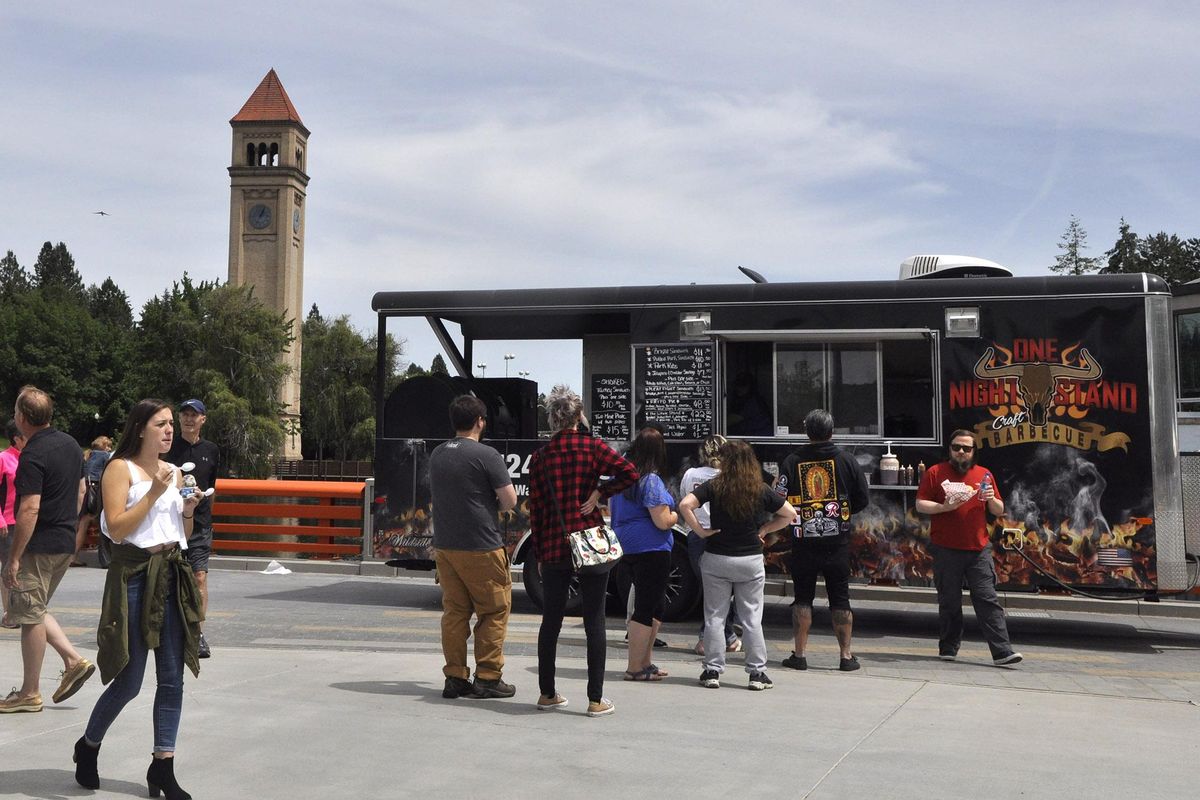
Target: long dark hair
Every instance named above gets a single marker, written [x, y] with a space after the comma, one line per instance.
[135, 425]
[739, 486]
[648, 453]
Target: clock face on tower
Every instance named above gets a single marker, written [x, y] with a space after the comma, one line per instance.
[296, 220]
[260, 216]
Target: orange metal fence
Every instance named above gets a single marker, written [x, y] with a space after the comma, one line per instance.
[271, 513]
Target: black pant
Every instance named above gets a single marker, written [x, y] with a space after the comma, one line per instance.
[950, 568]
[593, 589]
[651, 573]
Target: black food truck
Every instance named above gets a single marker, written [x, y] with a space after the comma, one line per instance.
[1068, 384]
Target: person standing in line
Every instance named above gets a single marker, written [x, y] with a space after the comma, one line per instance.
[826, 486]
[93, 467]
[709, 468]
[470, 486]
[643, 516]
[9, 459]
[733, 557]
[958, 528]
[50, 490]
[150, 597]
[564, 496]
[189, 446]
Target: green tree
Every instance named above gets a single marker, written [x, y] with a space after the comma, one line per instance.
[1072, 261]
[438, 367]
[54, 271]
[1123, 255]
[14, 280]
[337, 391]
[219, 342]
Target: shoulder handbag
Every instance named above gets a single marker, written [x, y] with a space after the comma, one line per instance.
[595, 550]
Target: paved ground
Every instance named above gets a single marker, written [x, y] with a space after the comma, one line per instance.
[330, 686]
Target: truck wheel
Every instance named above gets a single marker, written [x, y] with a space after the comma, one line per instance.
[683, 585]
[533, 585]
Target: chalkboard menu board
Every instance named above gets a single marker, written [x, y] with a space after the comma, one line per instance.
[611, 407]
[675, 388]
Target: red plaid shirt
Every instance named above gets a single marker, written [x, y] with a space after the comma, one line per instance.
[572, 463]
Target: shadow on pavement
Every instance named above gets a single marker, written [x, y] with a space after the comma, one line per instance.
[52, 784]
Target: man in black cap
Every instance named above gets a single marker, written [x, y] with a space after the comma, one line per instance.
[189, 447]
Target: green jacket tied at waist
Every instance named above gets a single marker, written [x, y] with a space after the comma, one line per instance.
[112, 638]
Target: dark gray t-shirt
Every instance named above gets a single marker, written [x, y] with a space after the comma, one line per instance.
[464, 476]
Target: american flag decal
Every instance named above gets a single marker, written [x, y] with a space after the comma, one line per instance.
[1114, 557]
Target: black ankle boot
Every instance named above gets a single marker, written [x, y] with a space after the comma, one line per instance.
[85, 764]
[161, 775]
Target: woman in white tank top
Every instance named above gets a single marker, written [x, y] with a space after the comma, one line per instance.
[150, 596]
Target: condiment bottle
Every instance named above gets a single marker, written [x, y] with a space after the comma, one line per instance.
[889, 467]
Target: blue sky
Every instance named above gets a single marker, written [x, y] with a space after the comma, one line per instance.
[513, 144]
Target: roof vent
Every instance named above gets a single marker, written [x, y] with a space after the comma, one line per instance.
[951, 267]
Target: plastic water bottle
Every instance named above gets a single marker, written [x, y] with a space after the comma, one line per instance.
[983, 487]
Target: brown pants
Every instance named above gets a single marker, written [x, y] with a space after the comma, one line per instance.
[479, 583]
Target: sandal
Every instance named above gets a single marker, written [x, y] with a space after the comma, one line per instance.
[660, 673]
[647, 674]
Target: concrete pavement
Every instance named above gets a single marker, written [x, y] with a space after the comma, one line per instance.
[349, 705]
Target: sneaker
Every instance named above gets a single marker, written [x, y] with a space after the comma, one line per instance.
[458, 687]
[550, 703]
[496, 688]
[14, 703]
[659, 643]
[795, 662]
[710, 679]
[849, 664]
[733, 647]
[1011, 658]
[759, 681]
[205, 650]
[947, 656]
[601, 707]
[72, 679]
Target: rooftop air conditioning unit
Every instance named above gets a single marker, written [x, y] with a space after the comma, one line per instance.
[951, 267]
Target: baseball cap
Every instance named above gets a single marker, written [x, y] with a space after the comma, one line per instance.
[194, 405]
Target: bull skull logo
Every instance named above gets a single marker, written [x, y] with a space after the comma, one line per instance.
[1037, 380]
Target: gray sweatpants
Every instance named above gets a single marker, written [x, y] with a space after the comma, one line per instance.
[950, 568]
[743, 577]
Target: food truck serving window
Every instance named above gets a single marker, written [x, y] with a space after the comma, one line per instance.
[876, 386]
[1187, 354]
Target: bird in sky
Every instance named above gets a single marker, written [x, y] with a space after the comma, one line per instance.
[102, 213]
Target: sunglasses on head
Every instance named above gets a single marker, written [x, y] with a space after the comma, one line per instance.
[962, 448]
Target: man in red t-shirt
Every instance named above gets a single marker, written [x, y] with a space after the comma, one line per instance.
[962, 550]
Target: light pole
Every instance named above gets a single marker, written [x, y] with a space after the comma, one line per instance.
[507, 358]
[524, 373]
[482, 367]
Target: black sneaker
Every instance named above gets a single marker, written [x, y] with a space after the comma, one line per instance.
[205, 650]
[947, 656]
[659, 643]
[458, 687]
[759, 682]
[795, 662]
[496, 688]
[710, 679]
[849, 664]
[1011, 658]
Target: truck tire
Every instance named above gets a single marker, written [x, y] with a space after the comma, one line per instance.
[533, 585]
[683, 585]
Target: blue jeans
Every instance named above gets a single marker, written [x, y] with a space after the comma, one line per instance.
[168, 660]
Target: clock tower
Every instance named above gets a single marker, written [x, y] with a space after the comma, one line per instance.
[266, 220]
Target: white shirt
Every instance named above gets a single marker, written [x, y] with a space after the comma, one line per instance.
[693, 478]
[164, 523]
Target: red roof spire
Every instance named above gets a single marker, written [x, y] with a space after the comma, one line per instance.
[269, 103]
